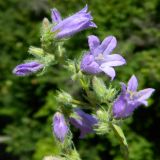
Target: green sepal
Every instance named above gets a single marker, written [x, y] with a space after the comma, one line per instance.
[103, 125]
[36, 52]
[64, 97]
[119, 133]
[99, 87]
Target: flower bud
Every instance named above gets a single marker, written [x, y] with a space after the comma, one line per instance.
[45, 22]
[60, 127]
[51, 158]
[64, 97]
[35, 51]
[27, 68]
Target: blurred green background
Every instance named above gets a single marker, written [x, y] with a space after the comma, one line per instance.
[28, 104]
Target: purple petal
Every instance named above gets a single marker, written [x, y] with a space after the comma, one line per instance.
[88, 65]
[119, 107]
[145, 103]
[60, 127]
[114, 60]
[145, 94]
[92, 25]
[110, 42]
[84, 123]
[74, 27]
[108, 70]
[122, 108]
[107, 46]
[73, 24]
[84, 9]
[93, 42]
[123, 87]
[133, 84]
[56, 17]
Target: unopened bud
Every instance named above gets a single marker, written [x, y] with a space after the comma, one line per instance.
[60, 127]
[35, 51]
[64, 97]
[51, 158]
[45, 22]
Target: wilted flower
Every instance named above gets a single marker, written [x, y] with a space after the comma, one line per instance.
[73, 24]
[129, 98]
[60, 127]
[98, 59]
[84, 122]
[27, 68]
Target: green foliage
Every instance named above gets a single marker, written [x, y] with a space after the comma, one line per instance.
[28, 104]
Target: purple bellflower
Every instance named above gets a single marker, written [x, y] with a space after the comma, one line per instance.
[84, 122]
[98, 59]
[27, 68]
[129, 99]
[73, 24]
[60, 127]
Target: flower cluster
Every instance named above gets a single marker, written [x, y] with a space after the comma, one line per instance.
[105, 109]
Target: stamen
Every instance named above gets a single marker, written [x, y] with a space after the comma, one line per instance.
[99, 57]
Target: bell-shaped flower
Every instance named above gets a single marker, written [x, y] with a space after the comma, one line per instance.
[27, 68]
[99, 58]
[60, 127]
[129, 99]
[84, 122]
[71, 25]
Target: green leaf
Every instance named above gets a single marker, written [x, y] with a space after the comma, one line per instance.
[118, 131]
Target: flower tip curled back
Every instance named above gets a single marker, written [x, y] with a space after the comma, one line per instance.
[60, 127]
[73, 24]
[27, 68]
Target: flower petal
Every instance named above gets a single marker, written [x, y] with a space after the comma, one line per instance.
[108, 70]
[123, 87]
[119, 107]
[114, 60]
[73, 24]
[88, 65]
[84, 9]
[145, 94]
[93, 42]
[132, 84]
[84, 123]
[108, 45]
[55, 15]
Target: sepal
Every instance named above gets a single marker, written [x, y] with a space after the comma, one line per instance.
[64, 97]
[53, 158]
[99, 87]
[36, 52]
[103, 125]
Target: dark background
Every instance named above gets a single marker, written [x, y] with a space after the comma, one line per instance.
[28, 104]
